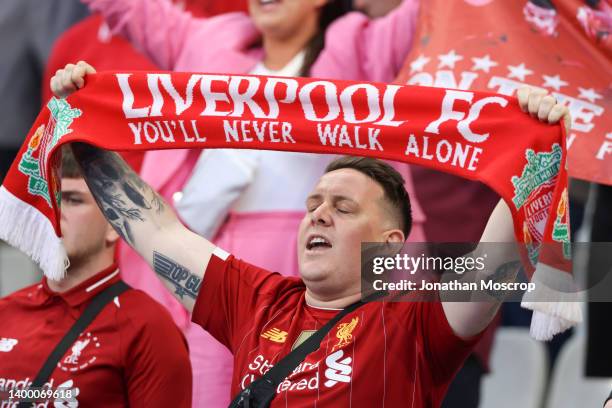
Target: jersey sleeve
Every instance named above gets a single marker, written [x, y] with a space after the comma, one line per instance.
[232, 292]
[443, 349]
[156, 357]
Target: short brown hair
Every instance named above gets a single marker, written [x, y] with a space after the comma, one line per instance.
[70, 167]
[388, 178]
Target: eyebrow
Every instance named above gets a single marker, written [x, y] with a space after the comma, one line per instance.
[72, 192]
[335, 197]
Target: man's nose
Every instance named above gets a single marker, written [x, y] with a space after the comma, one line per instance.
[321, 215]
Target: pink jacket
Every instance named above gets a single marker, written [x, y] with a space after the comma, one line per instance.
[356, 47]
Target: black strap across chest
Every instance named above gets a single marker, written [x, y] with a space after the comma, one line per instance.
[89, 314]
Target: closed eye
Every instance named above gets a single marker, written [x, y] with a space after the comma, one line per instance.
[312, 208]
[69, 200]
[312, 204]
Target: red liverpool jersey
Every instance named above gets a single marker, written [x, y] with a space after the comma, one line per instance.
[132, 354]
[383, 354]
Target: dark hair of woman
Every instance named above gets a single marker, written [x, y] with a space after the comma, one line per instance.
[332, 10]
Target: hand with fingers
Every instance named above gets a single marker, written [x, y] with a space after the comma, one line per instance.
[540, 104]
[70, 79]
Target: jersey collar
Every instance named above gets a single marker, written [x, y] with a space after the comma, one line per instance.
[85, 291]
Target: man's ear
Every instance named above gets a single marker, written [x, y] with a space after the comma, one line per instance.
[395, 236]
[111, 235]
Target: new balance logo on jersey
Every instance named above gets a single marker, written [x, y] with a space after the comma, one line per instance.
[338, 370]
[275, 335]
[7, 344]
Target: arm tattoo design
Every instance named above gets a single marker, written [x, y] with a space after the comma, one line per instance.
[185, 282]
[507, 273]
[123, 197]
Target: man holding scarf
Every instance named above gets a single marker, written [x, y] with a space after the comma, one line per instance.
[396, 353]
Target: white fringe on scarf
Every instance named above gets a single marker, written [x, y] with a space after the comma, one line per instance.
[28, 230]
[555, 302]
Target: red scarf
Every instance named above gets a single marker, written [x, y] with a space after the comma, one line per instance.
[479, 136]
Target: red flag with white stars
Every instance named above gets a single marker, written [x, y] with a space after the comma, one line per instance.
[562, 46]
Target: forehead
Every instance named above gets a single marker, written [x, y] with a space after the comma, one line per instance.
[348, 183]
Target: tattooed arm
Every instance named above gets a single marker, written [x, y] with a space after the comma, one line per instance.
[146, 222]
[135, 210]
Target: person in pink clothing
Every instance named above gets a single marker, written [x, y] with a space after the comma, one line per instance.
[250, 202]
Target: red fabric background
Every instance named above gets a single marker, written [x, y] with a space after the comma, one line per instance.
[498, 45]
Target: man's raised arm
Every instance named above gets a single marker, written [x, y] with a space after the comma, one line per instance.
[146, 222]
[470, 318]
[140, 215]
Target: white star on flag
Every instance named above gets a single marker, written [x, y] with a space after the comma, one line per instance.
[485, 63]
[519, 72]
[589, 94]
[418, 64]
[553, 82]
[449, 60]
